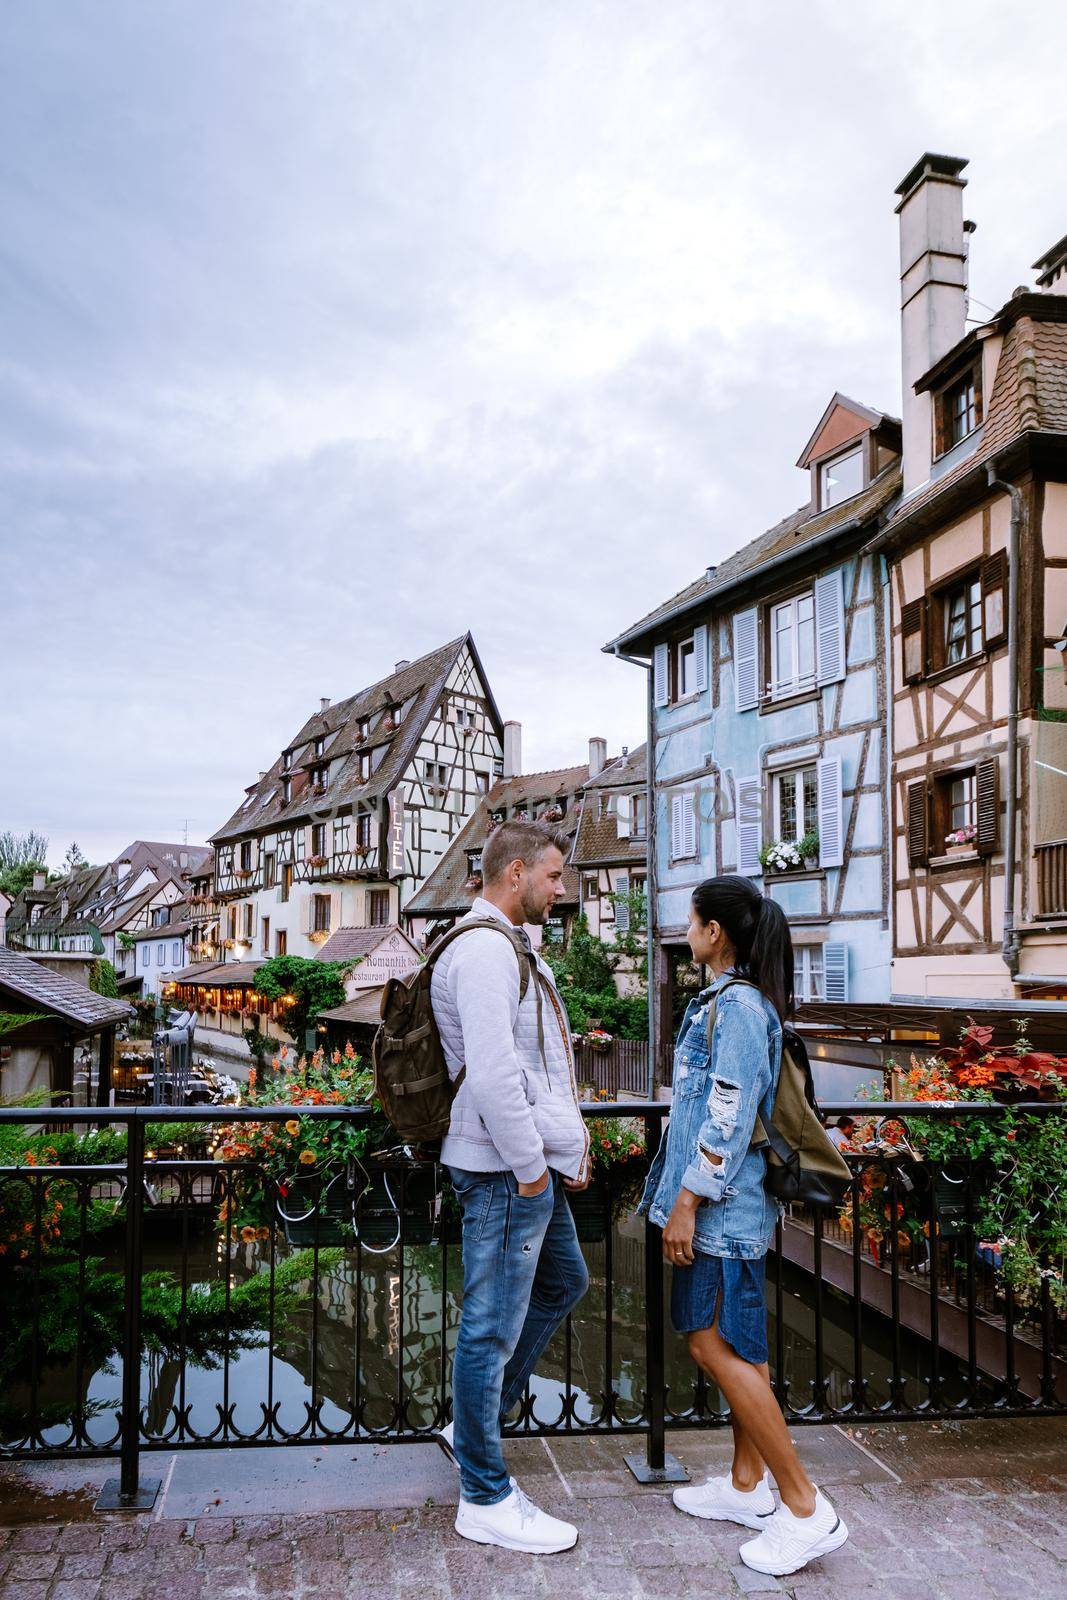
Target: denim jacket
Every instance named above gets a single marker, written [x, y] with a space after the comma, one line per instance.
[713, 1112]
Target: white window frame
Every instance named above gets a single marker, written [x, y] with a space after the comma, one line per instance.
[810, 824]
[783, 688]
[827, 467]
[808, 966]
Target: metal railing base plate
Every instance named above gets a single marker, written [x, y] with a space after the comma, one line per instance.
[111, 1497]
[671, 1471]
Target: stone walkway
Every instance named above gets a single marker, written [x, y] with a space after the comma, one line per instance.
[962, 1511]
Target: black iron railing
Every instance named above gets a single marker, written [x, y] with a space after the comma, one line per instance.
[333, 1320]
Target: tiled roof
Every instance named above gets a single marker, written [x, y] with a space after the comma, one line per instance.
[1029, 392]
[166, 930]
[365, 1008]
[218, 974]
[597, 841]
[416, 687]
[121, 914]
[796, 533]
[623, 772]
[37, 985]
[353, 944]
[446, 890]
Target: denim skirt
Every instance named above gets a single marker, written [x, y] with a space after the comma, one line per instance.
[736, 1288]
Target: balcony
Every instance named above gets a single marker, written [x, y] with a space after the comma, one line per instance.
[1052, 878]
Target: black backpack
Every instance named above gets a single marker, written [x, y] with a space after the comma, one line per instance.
[804, 1166]
[411, 1078]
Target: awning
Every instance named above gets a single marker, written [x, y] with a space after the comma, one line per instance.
[365, 1009]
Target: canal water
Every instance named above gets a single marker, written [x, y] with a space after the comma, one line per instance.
[380, 1332]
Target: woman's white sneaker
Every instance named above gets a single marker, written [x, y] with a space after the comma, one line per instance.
[517, 1524]
[788, 1543]
[718, 1501]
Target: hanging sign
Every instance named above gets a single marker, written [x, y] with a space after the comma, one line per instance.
[394, 841]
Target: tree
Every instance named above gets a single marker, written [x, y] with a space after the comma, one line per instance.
[74, 858]
[104, 979]
[21, 855]
[313, 986]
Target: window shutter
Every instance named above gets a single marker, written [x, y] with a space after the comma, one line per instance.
[831, 830]
[830, 626]
[676, 827]
[307, 921]
[689, 827]
[622, 906]
[700, 657]
[835, 971]
[994, 599]
[988, 774]
[746, 660]
[661, 687]
[913, 640]
[918, 811]
[749, 826]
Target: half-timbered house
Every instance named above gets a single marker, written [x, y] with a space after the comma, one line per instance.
[358, 808]
[977, 550]
[610, 851]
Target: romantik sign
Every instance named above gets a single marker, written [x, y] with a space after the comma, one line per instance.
[395, 957]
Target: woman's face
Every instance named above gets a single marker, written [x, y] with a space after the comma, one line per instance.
[708, 942]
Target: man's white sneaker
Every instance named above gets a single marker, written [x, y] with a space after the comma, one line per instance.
[444, 1439]
[788, 1543]
[517, 1524]
[718, 1501]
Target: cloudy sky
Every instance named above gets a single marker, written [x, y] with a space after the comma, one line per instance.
[332, 329]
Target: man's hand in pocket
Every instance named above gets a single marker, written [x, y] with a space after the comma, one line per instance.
[539, 1185]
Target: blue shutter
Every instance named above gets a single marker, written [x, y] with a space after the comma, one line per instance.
[700, 657]
[831, 830]
[830, 626]
[749, 825]
[835, 971]
[661, 688]
[746, 660]
[622, 905]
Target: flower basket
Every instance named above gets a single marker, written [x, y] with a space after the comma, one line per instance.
[591, 1209]
[959, 850]
[316, 861]
[377, 1206]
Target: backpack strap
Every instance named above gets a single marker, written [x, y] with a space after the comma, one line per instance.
[527, 967]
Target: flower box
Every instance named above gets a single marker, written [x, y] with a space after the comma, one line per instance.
[364, 1207]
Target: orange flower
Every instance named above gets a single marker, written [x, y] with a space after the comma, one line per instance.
[307, 1158]
[248, 1234]
[292, 1126]
[263, 1232]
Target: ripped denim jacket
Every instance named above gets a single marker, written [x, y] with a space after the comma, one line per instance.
[713, 1112]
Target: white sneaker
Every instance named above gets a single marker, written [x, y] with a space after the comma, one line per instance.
[718, 1501]
[517, 1524]
[444, 1438]
[788, 1543]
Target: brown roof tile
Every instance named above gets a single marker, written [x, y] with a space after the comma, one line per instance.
[31, 982]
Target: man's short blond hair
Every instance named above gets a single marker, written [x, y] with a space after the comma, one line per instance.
[519, 841]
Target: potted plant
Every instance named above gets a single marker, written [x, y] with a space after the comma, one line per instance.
[782, 856]
[617, 1157]
[961, 841]
[809, 849]
[316, 861]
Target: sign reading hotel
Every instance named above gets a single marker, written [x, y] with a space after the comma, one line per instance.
[395, 957]
[394, 838]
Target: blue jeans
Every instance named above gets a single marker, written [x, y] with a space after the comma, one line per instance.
[523, 1272]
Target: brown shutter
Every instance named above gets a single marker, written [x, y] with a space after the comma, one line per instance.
[995, 599]
[918, 814]
[988, 805]
[913, 640]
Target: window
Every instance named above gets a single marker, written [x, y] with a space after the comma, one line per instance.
[320, 913]
[265, 935]
[498, 769]
[246, 921]
[145, 952]
[319, 777]
[281, 943]
[270, 869]
[231, 922]
[318, 839]
[160, 916]
[796, 803]
[364, 765]
[680, 669]
[792, 643]
[287, 880]
[961, 611]
[378, 908]
[960, 808]
[840, 478]
[639, 813]
[436, 775]
[685, 669]
[481, 782]
[474, 862]
[363, 830]
[246, 855]
[320, 744]
[287, 760]
[958, 410]
[176, 955]
[808, 972]
[683, 828]
[590, 889]
[287, 790]
[364, 727]
[161, 954]
[465, 718]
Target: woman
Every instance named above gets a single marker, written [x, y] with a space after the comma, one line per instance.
[705, 1190]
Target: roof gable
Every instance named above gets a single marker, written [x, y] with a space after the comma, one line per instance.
[841, 422]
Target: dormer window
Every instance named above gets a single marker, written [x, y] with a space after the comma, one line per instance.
[287, 790]
[287, 760]
[320, 744]
[318, 777]
[841, 478]
[958, 409]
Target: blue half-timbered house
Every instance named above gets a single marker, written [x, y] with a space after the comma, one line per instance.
[767, 724]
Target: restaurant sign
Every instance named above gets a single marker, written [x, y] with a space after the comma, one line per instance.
[395, 957]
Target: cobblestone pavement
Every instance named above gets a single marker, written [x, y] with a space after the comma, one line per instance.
[1001, 1532]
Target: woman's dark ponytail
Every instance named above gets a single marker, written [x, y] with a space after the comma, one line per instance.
[758, 929]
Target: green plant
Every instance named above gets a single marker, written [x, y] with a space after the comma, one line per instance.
[127, 941]
[103, 978]
[809, 845]
[304, 987]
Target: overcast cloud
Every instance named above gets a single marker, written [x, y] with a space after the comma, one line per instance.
[331, 330]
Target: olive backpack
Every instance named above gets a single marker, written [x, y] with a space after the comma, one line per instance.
[804, 1167]
[411, 1078]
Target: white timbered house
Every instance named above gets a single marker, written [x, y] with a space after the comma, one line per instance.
[358, 808]
[610, 851]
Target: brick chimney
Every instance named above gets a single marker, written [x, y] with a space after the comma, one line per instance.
[598, 756]
[933, 293]
[513, 749]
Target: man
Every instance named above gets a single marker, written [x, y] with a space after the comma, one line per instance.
[516, 1141]
[841, 1134]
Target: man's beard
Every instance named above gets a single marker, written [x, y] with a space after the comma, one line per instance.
[534, 912]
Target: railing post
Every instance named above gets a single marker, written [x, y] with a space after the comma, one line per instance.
[656, 1466]
[128, 1492]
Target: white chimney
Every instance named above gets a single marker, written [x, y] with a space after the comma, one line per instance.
[401, 666]
[512, 749]
[598, 756]
[121, 869]
[1051, 269]
[933, 293]
[324, 703]
[39, 880]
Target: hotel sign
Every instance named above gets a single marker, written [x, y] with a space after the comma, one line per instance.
[394, 836]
